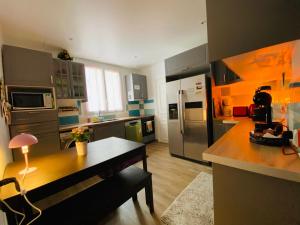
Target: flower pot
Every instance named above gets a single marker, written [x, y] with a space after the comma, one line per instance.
[81, 147]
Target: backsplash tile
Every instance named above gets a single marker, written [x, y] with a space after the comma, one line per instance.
[68, 120]
[140, 107]
[135, 112]
[148, 101]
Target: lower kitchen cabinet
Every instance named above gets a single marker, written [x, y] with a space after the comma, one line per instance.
[109, 130]
[46, 133]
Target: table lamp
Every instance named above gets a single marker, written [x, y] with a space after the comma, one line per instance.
[23, 141]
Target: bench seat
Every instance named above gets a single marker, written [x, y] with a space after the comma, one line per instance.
[90, 205]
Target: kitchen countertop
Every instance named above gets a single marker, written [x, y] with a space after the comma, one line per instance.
[235, 150]
[91, 124]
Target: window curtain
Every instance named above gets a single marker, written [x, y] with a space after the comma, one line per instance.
[104, 90]
[113, 90]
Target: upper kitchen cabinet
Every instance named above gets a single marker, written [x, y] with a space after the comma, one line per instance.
[26, 67]
[136, 87]
[77, 78]
[69, 79]
[189, 62]
[222, 74]
[236, 26]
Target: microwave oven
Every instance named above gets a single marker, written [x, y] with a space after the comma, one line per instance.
[22, 100]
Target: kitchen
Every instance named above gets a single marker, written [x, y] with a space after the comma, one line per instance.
[193, 106]
[46, 108]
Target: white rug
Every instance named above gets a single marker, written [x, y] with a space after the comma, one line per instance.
[194, 205]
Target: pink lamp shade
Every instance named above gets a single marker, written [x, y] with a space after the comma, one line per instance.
[21, 140]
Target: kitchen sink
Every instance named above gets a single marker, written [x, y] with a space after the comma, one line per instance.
[112, 119]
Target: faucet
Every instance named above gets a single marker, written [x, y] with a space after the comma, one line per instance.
[99, 115]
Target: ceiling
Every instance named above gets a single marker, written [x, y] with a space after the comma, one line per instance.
[130, 33]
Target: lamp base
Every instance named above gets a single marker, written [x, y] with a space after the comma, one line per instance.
[27, 170]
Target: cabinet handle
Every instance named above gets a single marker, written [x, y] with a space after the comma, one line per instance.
[51, 77]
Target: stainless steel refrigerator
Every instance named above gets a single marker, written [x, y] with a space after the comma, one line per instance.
[189, 116]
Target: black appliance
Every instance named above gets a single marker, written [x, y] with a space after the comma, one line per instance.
[148, 129]
[262, 108]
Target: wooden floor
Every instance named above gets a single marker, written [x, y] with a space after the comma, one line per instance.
[170, 176]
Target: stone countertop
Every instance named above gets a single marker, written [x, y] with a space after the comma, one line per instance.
[234, 149]
[91, 124]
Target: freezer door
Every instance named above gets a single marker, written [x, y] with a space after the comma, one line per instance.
[195, 139]
[193, 106]
[174, 125]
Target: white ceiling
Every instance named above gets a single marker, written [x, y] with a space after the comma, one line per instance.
[131, 33]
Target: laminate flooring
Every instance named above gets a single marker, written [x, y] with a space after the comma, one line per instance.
[170, 175]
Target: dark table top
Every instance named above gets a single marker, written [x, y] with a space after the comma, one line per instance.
[67, 165]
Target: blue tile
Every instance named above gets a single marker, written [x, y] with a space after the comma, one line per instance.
[134, 102]
[148, 101]
[66, 120]
[135, 112]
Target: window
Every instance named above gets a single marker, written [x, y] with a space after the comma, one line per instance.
[104, 90]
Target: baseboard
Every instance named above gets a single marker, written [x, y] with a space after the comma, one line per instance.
[192, 160]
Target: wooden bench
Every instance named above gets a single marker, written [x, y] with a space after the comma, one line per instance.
[93, 203]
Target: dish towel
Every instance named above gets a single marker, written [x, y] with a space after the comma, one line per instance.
[149, 126]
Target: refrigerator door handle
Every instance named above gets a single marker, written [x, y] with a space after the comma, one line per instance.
[181, 112]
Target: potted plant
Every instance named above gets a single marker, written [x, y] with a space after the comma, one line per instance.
[81, 137]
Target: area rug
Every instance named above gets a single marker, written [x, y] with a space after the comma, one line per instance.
[194, 205]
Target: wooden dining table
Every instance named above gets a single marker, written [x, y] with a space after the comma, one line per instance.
[58, 171]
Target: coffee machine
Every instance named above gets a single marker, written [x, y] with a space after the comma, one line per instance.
[262, 109]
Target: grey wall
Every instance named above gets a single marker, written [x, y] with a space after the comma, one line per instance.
[236, 26]
[5, 153]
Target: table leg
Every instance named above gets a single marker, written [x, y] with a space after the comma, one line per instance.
[149, 195]
[145, 160]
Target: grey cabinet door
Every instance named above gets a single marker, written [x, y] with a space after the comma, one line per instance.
[223, 74]
[69, 79]
[260, 24]
[62, 82]
[77, 79]
[46, 133]
[187, 62]
[137, 88]
[27, 117]
[143, 84]
[109, 130]
[26, 67]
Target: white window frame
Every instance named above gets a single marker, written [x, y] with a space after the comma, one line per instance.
[103, 70]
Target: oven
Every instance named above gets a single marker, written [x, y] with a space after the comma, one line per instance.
[148, 129]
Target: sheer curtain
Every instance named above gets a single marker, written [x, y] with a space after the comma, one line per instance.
[113, 90]
[104, 90]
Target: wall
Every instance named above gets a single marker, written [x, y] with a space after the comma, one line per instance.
[5, 153]
[236, 26]
[156, 82]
